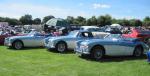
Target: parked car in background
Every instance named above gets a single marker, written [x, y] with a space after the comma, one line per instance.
[96, 31]
[4, 35]
[113, 30]
[111, 45]
[29, 31]
[33, 39]
[89, 28]
[143, 35]
[63, 43]
[2, 38]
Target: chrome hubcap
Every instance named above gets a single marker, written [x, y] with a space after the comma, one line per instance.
[98, 54]
[138, 52]
[61, 47]
[18, 45]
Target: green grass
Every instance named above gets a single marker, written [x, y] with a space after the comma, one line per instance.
[40, 62]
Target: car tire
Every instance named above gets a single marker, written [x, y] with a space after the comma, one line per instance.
[138, 51]
[61, 47]
[97, 53]
[17, 45]
[83, 55]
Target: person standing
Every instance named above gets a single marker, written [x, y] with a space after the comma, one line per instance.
[148, 57]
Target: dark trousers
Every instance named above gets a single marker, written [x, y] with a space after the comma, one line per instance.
[148, 56]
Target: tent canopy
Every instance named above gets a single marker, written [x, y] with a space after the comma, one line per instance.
[57, 22]
[116, 25]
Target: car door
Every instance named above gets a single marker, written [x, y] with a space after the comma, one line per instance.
[80, 36]
[30, 41]
[35, 40]
[113, 47]
[72, 41]
[127, 47]
[39, 40]
[119, 47]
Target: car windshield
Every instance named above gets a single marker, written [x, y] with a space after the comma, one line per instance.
[73, 33]
[34, 34]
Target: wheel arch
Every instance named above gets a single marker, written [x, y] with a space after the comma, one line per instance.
[98, 45]
[61, 41]
[139, 45]
[18, 40]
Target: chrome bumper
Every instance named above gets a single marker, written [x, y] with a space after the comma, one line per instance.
[48, 46]
[7, 43]
[81, 51]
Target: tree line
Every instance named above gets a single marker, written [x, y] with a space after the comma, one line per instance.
[108, 20]
[98, 21]
[25, 20]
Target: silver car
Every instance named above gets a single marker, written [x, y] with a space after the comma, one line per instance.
[34, 39]
[63, 43]
[111, 45]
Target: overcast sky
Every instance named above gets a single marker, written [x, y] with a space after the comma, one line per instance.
[62, 8]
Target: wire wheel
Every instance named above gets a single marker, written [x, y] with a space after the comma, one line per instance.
[18, 45]
[138, 51]
[97, 53]
[61, 47]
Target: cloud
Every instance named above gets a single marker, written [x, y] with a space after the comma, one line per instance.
[81, 4]
[35, 10]
[99, 6]
[16, 10]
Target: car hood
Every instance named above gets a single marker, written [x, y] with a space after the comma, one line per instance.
[91, 41]
[132, 39]
[16, 37]
[59, 37]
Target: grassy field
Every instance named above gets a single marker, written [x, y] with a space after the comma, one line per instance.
[40, 62]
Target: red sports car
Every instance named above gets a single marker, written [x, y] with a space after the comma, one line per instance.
[143, 35]
[2, 38]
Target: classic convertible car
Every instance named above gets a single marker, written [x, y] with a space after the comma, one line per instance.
[3, 36]
[138, 33]
[63, 43]
[33, 39]
[111, 45]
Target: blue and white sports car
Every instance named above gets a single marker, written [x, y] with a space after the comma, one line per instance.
[33, 39]
[111, 45]
[63, 43]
